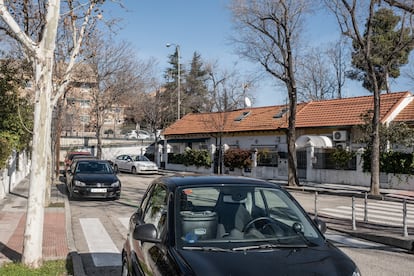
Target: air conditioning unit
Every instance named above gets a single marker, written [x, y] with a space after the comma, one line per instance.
[340, 135]
[341, 146]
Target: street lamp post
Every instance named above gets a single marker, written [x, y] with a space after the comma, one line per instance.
[177, 48]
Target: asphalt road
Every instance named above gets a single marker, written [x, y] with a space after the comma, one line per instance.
[100, 227]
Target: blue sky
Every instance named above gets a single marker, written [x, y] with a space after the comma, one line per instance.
[204, 26]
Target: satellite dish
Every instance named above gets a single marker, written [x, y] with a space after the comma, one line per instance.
[247, 102]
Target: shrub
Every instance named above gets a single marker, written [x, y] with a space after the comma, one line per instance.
[391, 162]
[198, 158]
[342, 158]
[237, 158]
[5, 151]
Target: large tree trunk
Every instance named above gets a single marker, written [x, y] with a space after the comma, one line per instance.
[41, 153]
[375, 154]
[291, 139]
[99, 141]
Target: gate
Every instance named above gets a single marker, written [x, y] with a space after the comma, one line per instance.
[301, 161]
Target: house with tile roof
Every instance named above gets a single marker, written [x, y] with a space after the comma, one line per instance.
[320, 126]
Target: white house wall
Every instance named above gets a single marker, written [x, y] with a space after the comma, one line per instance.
[250, 142]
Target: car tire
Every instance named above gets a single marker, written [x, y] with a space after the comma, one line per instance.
[116, 169]
[134, 170]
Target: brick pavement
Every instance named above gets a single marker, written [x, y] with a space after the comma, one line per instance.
[12, 225]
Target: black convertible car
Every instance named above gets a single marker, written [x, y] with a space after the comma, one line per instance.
[215, 225]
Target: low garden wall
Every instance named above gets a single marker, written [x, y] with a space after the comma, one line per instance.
[18, 167]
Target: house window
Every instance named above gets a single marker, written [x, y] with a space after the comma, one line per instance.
[203, 146]
[175, 149]
[267, 156]
[281, 113]
[242, 116]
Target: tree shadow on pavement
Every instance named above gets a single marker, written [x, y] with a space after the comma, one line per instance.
[10, 253]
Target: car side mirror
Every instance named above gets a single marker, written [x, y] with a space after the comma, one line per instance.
[320, 224]
[146, 233]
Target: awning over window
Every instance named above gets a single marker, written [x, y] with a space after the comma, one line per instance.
[316, 141]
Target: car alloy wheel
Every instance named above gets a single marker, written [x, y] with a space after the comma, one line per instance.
[133, 170]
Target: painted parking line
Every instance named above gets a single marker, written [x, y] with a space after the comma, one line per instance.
[103, 250]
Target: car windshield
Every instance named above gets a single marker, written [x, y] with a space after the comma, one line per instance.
[94, 167]
[241, 218]
[140, 158]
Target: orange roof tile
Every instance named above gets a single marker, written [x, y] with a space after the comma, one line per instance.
[407, 114]
[337, 112]
[347, 111]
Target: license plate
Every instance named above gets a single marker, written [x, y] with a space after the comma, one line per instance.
[98, 190]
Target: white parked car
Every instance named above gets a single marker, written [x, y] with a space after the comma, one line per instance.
[134, 164]
[138, 134]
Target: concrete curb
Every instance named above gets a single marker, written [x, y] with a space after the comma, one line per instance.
[73, 254]
[403, 243]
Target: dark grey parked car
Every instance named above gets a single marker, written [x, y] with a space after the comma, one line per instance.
[220, 225]
[92, 178]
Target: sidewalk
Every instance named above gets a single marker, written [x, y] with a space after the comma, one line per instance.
[13, 219]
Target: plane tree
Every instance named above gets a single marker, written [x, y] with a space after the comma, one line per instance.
[34, 26]
[268, 34]
[380, 42]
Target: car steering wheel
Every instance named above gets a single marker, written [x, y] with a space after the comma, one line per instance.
[268, 222]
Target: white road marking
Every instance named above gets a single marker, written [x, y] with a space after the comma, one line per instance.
[124, 222]
[104, 252]
[388, 213]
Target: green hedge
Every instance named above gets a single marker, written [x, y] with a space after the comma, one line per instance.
[391, 162]
[198, 158]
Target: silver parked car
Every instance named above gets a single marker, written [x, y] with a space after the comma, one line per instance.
[134, 164]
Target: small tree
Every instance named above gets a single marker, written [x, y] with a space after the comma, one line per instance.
[237, 158]
[392, 42]
[195, 97]
[115, 71]
[16, 116]
[315, 80]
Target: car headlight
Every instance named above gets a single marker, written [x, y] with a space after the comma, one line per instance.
[79, 183]
[115, 184]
